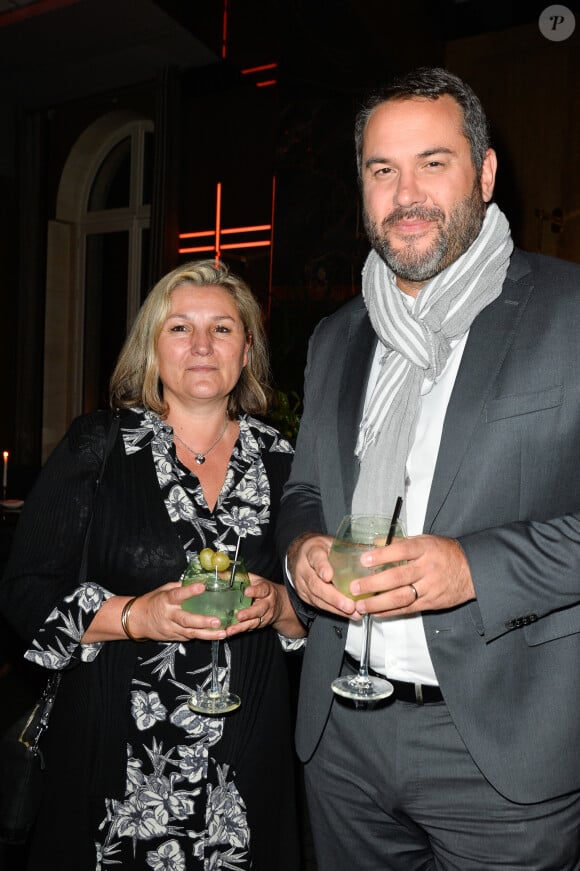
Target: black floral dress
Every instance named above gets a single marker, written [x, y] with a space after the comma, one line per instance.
[199, 792]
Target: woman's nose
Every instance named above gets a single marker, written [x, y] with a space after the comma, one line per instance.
[201, 343]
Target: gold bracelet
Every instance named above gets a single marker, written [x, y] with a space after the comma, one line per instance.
[125, 619]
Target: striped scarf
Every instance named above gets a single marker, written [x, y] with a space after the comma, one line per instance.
[417, 343]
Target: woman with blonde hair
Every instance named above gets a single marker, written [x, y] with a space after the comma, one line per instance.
[134, 777]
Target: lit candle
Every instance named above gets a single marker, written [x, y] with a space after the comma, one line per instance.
[5, 454]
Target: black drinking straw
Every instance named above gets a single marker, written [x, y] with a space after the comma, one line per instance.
[395, 517]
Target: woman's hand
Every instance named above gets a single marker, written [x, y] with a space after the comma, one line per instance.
[156, 615]
[168, 621]
[271, 607]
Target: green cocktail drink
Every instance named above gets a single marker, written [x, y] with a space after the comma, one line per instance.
[344, 558]
[225, 583]
[221, 598]
[356, 534]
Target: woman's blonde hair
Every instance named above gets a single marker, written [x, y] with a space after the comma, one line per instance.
[135, 380]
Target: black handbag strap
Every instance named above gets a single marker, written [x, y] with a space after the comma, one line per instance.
[46, 701]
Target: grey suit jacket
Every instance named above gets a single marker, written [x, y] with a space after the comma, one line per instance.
[507, 486]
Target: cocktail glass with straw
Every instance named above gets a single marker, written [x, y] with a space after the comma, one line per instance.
[223, 597]
[357, 534]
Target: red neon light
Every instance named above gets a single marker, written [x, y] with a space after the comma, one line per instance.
[193, 250]
[230, 231]
[225, 30]
[196, 235]
[38, 8]
[246, 245]
[266, 84]
[269, 309]
[250, 70]
[218, 217]
[255, 229]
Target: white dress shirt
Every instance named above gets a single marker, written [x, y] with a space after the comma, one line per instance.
[398, 644]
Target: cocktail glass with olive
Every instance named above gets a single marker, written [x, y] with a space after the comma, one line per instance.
[225, 583]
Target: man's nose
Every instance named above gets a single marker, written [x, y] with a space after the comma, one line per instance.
[408, 191]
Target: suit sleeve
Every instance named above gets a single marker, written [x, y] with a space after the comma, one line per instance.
[524, 572]
[301, 504]
[514, 499]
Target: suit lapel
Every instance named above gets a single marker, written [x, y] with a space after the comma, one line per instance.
[358, 359]
[490, 338]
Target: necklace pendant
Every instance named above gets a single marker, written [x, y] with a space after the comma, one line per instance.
[200, 458]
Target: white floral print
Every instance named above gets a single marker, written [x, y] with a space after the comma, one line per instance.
[182, 809]
[146, 709]
[169, 857]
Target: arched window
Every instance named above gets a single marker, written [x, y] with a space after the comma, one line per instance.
[98, 247]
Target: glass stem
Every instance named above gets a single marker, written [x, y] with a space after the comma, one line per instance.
[363, 670]
[215, 687]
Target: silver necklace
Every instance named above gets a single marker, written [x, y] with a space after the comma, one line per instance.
[200, 457]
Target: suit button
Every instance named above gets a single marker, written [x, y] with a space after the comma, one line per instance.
[338, 630]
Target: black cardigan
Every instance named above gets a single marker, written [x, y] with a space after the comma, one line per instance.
[133, 548]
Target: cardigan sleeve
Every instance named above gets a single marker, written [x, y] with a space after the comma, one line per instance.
[43, 568]
[58, 643]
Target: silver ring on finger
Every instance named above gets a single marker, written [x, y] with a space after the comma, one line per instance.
[415, 593]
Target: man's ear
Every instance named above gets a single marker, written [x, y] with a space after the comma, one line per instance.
[488, 171]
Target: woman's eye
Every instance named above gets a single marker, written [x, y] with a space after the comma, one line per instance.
[221, 329]
[178, 328]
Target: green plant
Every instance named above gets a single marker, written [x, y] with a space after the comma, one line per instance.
[285, 413]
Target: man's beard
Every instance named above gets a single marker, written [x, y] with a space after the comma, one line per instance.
[454, 238]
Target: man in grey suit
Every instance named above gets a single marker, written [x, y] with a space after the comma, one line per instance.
[454, 382]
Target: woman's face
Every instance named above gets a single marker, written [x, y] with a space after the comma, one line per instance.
[202, 347]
